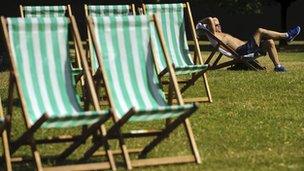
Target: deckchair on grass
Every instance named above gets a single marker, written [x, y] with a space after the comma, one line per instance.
[6, 153]
[172, 21]
[248, 60]
[126, 63]
[40, 70]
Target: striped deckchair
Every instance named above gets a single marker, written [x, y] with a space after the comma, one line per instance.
[45, 11]
[55, 11]
[109, 10]
[172, 21]
[38, 50]
[105, 10]
[235, 59]
[123, 48]
[6, 153]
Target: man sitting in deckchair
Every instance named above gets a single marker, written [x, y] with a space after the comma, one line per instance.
[260, 42]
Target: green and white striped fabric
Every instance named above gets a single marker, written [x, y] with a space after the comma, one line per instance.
[46, 11]
[40, 53]
[128, 66]
[108, 10]
[104, 10]
[171, 19]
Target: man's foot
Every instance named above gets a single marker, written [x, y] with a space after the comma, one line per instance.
[292, 33]
[280, 68]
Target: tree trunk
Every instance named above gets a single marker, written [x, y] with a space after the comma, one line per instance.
[284, 7]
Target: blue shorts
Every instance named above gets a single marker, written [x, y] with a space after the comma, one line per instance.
[250, 47]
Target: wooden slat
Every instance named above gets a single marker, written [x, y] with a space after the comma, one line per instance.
[117, 152]
[194, 99]
[58, 139]
[162, 161]
[75, 167]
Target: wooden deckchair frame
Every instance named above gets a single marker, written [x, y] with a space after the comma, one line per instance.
[252, 63]
[197, 59]
[6, 150]
[115, 130]
[28, 139]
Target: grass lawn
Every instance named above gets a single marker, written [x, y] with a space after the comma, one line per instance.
[256, 122]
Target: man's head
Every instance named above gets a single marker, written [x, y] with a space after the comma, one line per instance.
[217, 25]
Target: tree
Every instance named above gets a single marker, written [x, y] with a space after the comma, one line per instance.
[237, 6]
[285, 4]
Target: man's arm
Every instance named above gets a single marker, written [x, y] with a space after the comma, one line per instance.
[210, 23]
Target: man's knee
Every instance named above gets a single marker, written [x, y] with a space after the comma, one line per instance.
[270, 43]
[260, 30]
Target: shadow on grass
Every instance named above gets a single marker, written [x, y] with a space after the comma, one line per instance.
[16, 102]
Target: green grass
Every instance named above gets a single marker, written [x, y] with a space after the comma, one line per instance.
[256, 122]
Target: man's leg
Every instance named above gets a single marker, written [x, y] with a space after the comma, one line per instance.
[267, 34]
[269, 45]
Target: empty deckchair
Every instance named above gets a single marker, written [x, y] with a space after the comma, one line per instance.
[172, 21]
[45, 11]
[40, 70]
[5, 145]
[248, 60]
[104, 10]
[109, 10]
[54, 11]
[123, 48]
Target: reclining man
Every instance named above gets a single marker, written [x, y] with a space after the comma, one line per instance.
[261, 41]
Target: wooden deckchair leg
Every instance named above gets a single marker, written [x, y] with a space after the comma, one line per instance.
[217, 59]
[191, 138]
[195, 56]
[207, 88]
[36, 154]
[250, 65]
[10, 103]
[78, 61]
[225, 64]
[165, 133]
[6, 151]
[109, 152]
[212, 54]
[170, 93]
[124, 150]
